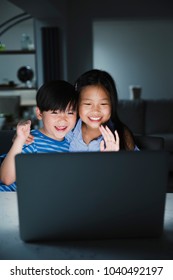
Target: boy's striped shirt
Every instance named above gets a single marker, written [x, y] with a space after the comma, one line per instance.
[41, 144]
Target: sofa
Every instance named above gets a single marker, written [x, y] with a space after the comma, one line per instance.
[150, 118]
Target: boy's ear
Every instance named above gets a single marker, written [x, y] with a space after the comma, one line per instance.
[38, 113]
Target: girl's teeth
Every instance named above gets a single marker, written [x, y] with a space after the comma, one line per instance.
[95, 119]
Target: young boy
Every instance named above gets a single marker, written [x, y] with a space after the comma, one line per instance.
[57, 109]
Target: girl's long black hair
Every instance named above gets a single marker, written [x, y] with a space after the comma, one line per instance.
[96, 77]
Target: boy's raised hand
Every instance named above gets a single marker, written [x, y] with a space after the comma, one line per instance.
[23, 130]
[111, 142]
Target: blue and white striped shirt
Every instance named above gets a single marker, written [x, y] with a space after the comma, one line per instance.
[45, 144]
[41, 144]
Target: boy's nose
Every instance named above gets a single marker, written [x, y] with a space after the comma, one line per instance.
[61, 116]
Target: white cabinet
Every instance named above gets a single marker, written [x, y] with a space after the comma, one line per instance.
[27, 96]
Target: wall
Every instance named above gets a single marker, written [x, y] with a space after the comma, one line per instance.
[83, 14]
[136, 53]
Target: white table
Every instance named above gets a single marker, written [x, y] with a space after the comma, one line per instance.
[12, 247]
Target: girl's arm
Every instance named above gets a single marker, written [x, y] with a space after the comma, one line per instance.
[8, 171]
[111, 142]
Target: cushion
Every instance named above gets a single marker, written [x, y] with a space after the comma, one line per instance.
[146, 142]
[131, 112]
[159, 116]
[168, 140]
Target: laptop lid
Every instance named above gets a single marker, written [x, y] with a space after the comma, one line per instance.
[91, 195]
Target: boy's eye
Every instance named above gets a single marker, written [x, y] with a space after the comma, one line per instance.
[104, 104]
[87, 103]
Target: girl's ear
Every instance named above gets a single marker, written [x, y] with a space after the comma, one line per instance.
[38, 113]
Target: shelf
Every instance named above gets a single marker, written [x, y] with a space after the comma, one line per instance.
[17, 52]
[4, 88]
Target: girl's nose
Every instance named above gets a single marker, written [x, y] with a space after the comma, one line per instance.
[96, 108]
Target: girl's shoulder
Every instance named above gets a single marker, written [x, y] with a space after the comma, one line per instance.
[75, 132]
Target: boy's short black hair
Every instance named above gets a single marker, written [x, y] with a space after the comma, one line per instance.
[56, 95]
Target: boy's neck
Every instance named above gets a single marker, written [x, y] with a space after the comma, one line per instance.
[42, 130]
[89, 134]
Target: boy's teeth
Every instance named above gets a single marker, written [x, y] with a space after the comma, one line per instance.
[61, 127]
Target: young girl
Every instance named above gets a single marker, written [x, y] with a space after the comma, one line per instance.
[98, 126]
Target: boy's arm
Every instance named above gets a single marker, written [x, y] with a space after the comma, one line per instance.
[8, 171]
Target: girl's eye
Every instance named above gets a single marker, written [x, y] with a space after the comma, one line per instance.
[70, 113]
[87, 103]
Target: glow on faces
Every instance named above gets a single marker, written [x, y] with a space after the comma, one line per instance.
[56, 124]
[94, 106]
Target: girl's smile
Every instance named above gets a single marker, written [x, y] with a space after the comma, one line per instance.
[95, 119]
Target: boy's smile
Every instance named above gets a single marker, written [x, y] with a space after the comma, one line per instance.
[61, 128]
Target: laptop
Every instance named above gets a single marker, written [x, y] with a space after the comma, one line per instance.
[74, 196]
